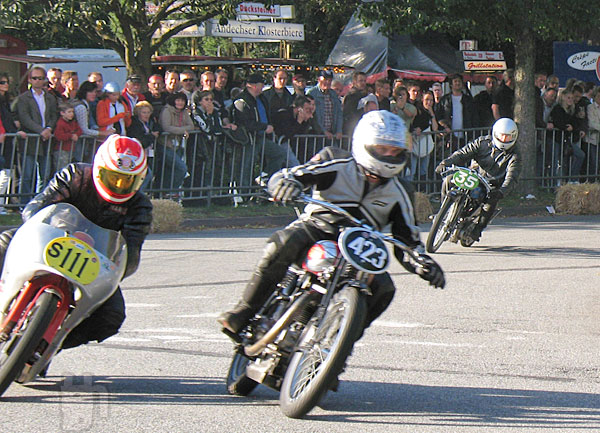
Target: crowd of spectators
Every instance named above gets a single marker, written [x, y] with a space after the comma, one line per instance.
[162, 113]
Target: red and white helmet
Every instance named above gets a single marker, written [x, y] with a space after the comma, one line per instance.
[119, 168]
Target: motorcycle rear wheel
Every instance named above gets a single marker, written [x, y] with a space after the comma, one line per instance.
[321, 355]
[237, 381]
[443, 223]
[19, 348]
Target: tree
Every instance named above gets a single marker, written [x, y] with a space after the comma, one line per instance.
[127, 26]
[515, 21]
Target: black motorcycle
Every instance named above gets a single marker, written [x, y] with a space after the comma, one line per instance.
[300, 339]
[459, 209]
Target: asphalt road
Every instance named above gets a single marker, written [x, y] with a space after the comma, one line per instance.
[510, 345]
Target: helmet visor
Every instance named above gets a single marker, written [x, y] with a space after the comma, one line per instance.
[120, 183]
[387, 153]
[504, 138]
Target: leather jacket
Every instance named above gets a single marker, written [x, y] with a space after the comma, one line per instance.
[500, 168]
[74, 184]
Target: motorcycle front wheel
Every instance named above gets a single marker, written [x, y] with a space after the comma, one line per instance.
[443, 223]
[22, 342]
[237, 381]
[322, 353]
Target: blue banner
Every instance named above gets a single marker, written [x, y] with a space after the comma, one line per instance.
[580, 61]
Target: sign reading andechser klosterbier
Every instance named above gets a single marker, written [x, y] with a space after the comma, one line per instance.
[256, 30]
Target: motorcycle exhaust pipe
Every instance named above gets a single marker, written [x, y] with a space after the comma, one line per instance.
[283, 321]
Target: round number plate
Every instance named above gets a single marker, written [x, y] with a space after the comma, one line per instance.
[364, 250]
[465, 180]
[73, 258]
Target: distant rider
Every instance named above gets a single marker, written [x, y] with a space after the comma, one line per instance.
[107, 194]
[498, 162]
[365, 184]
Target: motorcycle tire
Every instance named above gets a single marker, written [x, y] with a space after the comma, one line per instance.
[19, 348]
[443, 223]
[237, 381]
[322, 353]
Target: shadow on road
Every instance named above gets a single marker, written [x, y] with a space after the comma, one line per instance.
[355, 402]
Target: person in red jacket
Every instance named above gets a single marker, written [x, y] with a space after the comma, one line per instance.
[66, 134]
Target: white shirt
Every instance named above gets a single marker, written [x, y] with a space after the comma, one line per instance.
[457, 114]
[41, 102]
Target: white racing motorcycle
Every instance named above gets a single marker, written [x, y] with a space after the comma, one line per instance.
[58, 268]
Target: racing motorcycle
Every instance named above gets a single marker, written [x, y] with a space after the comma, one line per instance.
[459, 209]
[58, 268]
[299, 340]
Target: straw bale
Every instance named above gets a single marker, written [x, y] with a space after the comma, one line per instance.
[167, 216]
[578, 199]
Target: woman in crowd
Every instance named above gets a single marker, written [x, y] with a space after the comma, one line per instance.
[422, 127]
[146, 131]
[593, 138]
[85, 97]
[177, 122]
[564, 119]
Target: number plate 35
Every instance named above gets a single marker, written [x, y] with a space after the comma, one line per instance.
[364, 250]
[465, 180]
[73, 258]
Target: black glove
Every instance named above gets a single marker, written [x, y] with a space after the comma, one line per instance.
[431, 271]
[287, 189]
[440, 168]
[495, 194]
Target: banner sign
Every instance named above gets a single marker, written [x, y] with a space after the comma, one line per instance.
[483, 55]
[574, 60]
[258, 9]
[256, 30]
[485, 65]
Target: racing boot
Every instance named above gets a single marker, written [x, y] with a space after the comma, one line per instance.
[255, 295]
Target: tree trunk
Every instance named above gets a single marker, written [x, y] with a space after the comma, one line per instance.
[525, 107]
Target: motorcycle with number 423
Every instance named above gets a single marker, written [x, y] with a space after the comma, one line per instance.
[58, 268]
[299, 340]
[459, 209]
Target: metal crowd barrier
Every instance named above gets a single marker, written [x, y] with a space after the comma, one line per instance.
[200, 170]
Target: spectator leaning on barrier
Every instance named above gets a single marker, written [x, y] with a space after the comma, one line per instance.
[66, 134]
[132, 93]
[250, 111]
[156, 95]
[188, 79]
[278, 96]
[483, 102]
[38, 112]
[351, 113]
[146, 130]
[172, 84]
[55, 87]
[299, 84]
[458, 110]
[382, 91]
[503, 102]
[593, 138]
[70, 81]
[328, 109]
[83, 112]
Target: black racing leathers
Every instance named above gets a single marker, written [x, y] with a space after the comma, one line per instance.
[342, 182]
[500, 168]
[74, 184]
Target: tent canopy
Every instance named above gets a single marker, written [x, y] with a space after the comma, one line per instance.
[426, 57]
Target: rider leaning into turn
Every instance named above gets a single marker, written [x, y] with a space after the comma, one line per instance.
[107, 194]
[365, 184]
[498, 162]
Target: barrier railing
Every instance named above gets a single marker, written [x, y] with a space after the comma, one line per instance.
[199, 169]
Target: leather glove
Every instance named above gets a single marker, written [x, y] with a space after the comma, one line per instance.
[496, 194]
[440, 168]
[287, 189]
[432, 272]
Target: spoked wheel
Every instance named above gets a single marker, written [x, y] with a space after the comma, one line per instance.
[322, 353]
[443, 223]
[237, 381]
[20, 346]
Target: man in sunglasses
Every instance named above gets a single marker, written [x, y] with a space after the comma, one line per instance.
[366, 184]
[37, 110]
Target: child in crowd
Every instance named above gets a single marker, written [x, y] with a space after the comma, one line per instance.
[66, 134]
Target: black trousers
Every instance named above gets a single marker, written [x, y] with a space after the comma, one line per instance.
[101, 324]
[290, 245]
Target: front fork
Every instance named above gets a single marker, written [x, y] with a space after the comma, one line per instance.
[28, 296]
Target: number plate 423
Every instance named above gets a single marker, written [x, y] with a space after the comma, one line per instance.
[364, 250]
[73, 258]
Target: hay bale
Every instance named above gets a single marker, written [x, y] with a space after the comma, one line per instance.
[167, 216]
[422, 207]
[578, 199]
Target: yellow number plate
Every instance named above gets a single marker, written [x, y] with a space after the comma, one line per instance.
[73, 258]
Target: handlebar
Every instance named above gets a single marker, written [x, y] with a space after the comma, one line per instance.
[304, 198]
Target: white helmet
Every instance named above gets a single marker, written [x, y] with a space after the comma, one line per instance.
[380, 143]
[505, 133]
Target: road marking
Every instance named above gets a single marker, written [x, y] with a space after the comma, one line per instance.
[389, 324]
[129, 340]
[428, 343]
[141, 305]
[196, 316]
